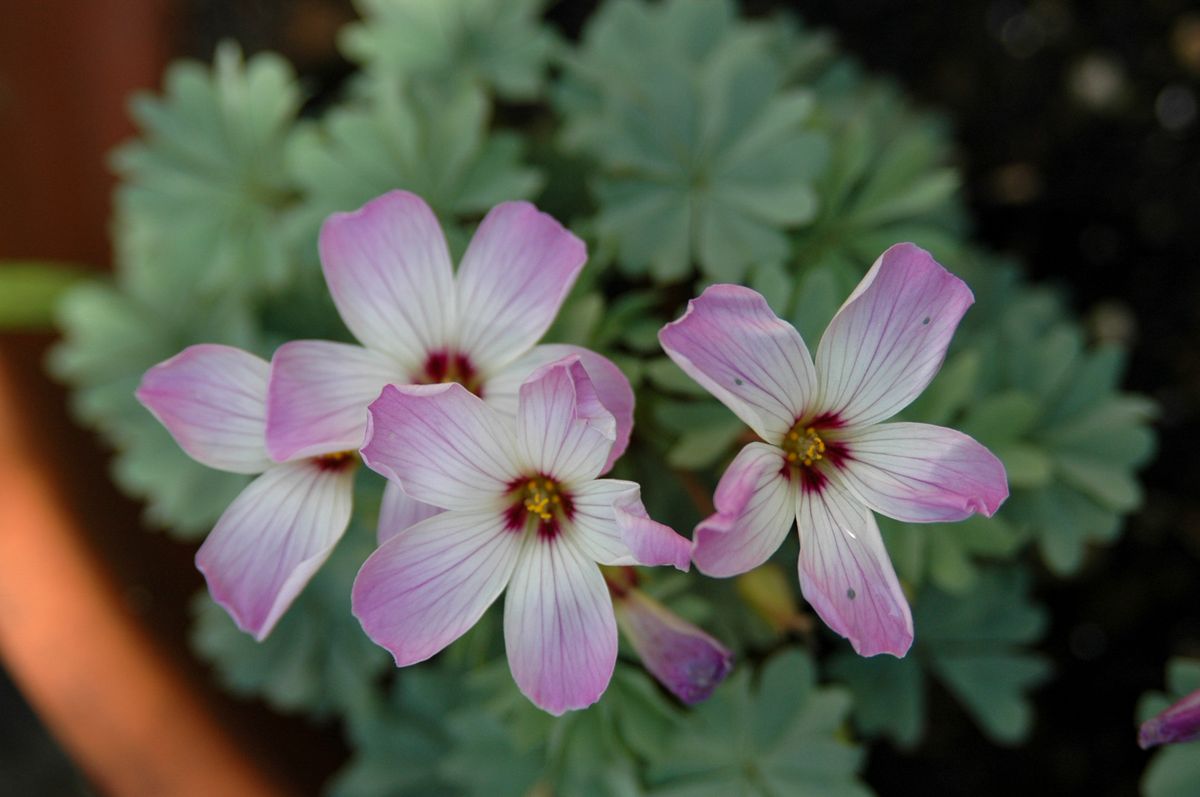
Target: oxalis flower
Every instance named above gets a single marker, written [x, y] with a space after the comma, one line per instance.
[300, 420]
[524, 510]
[827, 459]
[389, 272]
[280, 530]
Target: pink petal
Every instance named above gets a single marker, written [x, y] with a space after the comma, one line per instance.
[1180, 722]
[397, 512]
[756, 505]
[273, 538]
[754, 363]
[612, 386]
[683, 658]
[318, 397]
[923, 474]
[212, 399]
[846, 575]
[889, 339]
[423, 589]
[563, 430]
[390, 275]
[613, 527]
[513, 278]
[442, 443]
[559, 628]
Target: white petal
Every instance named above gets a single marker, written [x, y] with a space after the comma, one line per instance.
[610, 525]
[889, 339]
[317, 401]
[559, 627]
[756, 505]
[756, 364]
[390, 275]
[213, 401]
[443, 444]
[397, 512]
[273, 538]
[846, 574]
[563, 429]
[425, 588]
[514, 276]
[612, 386]
[921, 473]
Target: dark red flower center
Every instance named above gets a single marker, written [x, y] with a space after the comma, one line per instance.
[810, 449]
[448, 366]
[337, 461]
[540, 503]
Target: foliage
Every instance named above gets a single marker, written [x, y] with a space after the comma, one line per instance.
[687, 145]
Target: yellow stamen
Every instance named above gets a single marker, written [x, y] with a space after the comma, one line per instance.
[803, 445]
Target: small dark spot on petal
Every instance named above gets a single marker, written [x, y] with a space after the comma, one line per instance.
[925, 320]
[737, 381]
[851, 594]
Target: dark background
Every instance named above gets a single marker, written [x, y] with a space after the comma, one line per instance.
[1077, 130]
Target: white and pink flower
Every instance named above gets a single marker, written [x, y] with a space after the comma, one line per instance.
[300, 421]
[389, 271]
[280, 530]
[524, 511]
[828, 461]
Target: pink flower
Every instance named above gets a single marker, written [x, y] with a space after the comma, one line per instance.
[828, 461]
[684, 659]
[1180, 722]
[280, 530]
[524, 510]
[390, 275]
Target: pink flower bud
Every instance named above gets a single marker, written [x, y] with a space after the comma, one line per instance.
[683, 658]
[1180, 722]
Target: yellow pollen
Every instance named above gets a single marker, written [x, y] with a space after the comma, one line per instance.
[541, 498]
[805, 447]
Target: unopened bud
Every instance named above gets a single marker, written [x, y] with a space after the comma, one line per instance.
[683, 658]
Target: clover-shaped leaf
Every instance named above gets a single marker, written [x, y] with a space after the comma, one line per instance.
[972, 643]
[707, 157]
[204, 188]
[782, 736]
[435, 144]
[503, 46]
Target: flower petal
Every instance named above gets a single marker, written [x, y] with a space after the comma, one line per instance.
[273, 538]
[423, 589]
[756, 505]
[513, 278]
[397, 512]
[559, 628]
[756, 364]
[921, 473]
[390, 275]
[684, 659]
[213, 401]
[612, 386]
[1179, 722]
[889, 339]
[563, 430]
[613, 527]
[442, 443]
[318, 396]
[846, 575]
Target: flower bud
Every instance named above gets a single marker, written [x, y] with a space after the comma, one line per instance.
[1179, 722]
[684, 659]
